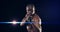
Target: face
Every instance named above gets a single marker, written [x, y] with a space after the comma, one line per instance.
[30, 9]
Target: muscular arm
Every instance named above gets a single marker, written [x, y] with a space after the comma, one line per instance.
[37, 21]
[25, 19]
[40, 27]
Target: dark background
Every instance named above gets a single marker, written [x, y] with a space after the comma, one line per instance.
[48, 10]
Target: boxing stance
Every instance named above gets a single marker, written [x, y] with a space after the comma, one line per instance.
[33, 18]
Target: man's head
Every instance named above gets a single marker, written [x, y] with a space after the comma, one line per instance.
[30, 9]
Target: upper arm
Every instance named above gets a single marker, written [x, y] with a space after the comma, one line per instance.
[37, 21]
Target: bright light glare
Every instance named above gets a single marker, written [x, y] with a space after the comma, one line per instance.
[14, 22]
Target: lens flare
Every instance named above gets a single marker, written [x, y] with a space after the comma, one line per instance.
[14, 22]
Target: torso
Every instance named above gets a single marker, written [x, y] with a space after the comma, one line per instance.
[35, 25]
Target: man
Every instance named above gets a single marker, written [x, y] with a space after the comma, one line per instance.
[34, 19]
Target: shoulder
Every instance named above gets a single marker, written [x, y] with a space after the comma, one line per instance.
[36, 16]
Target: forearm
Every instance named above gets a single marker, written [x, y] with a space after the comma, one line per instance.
[25, 19]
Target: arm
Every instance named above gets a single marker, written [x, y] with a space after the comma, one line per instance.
[40, 27]
[25, 19]
[37, 21]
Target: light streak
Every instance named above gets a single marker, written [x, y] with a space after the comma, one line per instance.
[14, 22]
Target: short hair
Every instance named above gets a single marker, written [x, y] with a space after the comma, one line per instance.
[30, 6]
